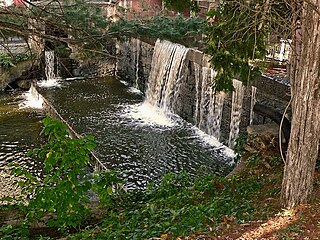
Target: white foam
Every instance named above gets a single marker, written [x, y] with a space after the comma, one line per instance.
[74, 78]
[134, 90]
[147, 114]
[49, 83]
[124, 82]
[214, 142]
[31, 100]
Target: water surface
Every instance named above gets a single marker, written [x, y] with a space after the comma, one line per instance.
[19, 132]
[132, 138]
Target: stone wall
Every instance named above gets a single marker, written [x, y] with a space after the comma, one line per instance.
[134, 64]
[22, 71]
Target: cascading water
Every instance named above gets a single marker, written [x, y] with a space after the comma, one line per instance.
[51, 78]
[215, 113]
[253, 102]
[237, 99]
[197, 70]
[49, 68]
[209, 104]
[142, 151]
[204, 98]
[138, 43]
[166, 74]
[136, 50]
[32, 99]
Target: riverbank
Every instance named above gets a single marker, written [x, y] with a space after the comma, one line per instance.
[246, 206]
[251, 211]
[208, 207]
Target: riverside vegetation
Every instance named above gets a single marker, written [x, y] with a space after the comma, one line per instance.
[175, 208]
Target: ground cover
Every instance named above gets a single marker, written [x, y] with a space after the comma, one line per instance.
[242, 206]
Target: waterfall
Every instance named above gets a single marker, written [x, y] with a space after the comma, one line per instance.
[237, 99]
[204, 98]
[167, 73]
[51, 77]
[253, 102]
[138, 49]
[215, 113]
[49, 68]
[209, 104]
[197, 71]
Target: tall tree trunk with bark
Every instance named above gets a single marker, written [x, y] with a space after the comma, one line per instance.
[303, 147]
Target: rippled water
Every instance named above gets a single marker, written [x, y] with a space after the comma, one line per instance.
[142, 149]
[19, 132]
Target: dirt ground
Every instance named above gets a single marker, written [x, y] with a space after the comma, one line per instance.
[301, 223]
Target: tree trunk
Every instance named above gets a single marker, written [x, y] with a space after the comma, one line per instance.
[303, 146]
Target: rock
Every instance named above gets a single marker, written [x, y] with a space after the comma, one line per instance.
[20, 71]
[267, 130]
[24, 84]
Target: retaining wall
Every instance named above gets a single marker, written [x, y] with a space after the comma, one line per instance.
[134, 65]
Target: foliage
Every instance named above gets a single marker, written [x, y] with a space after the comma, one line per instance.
[239, 146]
[70, 21]
[237, 34]
[178, 206]
[232, 42]
[7, 61]
[107, 185]
[176, 28]
[9, 232]
[12, 24]
[61, 50]
[77, 19]
[180, 5]
[63, 191]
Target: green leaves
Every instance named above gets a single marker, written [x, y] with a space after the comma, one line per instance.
[63, 191]
[181, 5]
[108, 187]
[234, 38]
[177, 29]
[177, 206]
[7, 61]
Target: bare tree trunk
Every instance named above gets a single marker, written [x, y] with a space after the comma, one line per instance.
[303, 147]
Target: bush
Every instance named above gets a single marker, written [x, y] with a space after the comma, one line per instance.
[63, 191]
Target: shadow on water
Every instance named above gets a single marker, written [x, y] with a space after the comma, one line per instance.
[141, 150]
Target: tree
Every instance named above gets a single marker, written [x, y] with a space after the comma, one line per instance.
[300, 20]
[73, 22]
[303, 146]
[180, 5]
[237, 34]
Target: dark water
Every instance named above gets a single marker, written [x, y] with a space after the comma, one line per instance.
[142, 152]
[19, 132]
